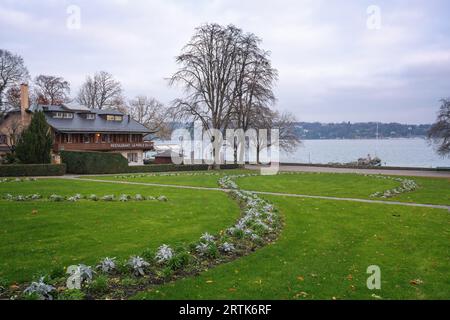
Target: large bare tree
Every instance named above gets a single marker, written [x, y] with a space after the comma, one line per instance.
[207, 66]
[152, 114]
[101, 91]
[12, 72]
[440, 131]
[51, 90]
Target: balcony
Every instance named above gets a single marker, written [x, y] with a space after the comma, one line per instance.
[146, 146]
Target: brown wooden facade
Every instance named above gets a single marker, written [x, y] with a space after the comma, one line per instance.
[100, 142]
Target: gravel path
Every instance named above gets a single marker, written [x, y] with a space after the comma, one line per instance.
[434, 206]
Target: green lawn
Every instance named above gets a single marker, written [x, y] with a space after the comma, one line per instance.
[200, 179]
[431, 190]
[324, 251]
[37, 237]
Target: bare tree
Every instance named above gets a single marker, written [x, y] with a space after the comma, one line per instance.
[206, 74]
[14, 130]
[285, 123]
[12, 71]
[101, 91]
[439, 133]
[51, 90]
[12, 97]
[152, 114]
[255, 79]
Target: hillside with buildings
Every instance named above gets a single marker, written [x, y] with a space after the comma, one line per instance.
[363, 130]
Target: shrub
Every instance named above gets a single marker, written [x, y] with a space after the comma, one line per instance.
[81, 162]
[23, 170]
[73, 294]
[35, 142]
[99, 285]
[148, 254]
[179, 261]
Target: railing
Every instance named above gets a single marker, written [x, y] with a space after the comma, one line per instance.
[103, 146]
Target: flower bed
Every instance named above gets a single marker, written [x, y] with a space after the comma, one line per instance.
[259, 225]
[77, 197]
[407, 185]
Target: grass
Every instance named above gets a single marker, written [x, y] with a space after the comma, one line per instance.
[201, 179]
[324, 252]
[41, 236]
[430, 191]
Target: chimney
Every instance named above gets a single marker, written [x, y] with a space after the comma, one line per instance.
[24, 102]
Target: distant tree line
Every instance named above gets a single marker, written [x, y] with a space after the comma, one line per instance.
[362, 130]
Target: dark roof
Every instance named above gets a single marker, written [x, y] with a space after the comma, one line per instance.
[80, 124]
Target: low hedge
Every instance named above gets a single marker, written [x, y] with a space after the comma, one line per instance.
[175, 167]
[24, 170]
[81, 162]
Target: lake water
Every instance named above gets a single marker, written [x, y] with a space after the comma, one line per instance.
[392, 152]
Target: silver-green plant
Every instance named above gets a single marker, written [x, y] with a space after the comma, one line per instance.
[138, 265]
[164, 253]
[124, 197]
[41, 289]
[107, 265]
[108, 197]
[56, 198]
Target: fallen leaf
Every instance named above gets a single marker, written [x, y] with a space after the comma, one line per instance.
[209, 281]
[350, 277]
[416, 282]
[232, 289]
[301, 294]
[300, 278]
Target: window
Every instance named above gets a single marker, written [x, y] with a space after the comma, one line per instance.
[63, 115]
[132, 157]
[90, 116]
[111, 117]
[2, 139]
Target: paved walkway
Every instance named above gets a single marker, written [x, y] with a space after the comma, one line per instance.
[412, 173]
[268, 193]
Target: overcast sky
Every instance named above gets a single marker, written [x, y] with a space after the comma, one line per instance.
[332, 66]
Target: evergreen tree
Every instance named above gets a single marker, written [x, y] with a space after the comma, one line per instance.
[35, 143]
